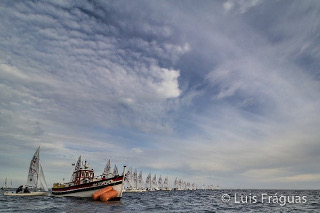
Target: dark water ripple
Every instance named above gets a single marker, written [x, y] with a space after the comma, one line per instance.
[166, 201]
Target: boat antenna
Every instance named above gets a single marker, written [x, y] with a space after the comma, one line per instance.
[85, 164]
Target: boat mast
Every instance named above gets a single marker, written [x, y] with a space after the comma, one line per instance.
[38, 160]
[136, 178]
[5, 184]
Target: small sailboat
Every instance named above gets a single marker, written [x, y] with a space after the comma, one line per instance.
[133, 180]
[154, 183]
[107, 170]
[176, 184]
[36, 184]
[140, 183]
[115, 171]
[5, 186]
[160, 183]
[84, 184]
[128, 180]
[148, 182]
[166, 184]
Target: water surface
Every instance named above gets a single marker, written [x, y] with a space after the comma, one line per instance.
[173, 201]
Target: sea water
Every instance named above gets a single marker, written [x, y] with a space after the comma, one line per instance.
[175, 201]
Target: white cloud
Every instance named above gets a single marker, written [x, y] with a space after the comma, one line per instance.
[241, 6]
[204, 93]
[168, 86]
[228, 5]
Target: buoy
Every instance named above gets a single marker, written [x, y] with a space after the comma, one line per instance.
[108, 195]
[96, 195]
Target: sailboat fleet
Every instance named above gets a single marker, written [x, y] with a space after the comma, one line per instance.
[135, 183]
[84, 183]
[183, 185]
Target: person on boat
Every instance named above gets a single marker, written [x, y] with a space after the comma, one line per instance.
[19, 189]
[26, 190]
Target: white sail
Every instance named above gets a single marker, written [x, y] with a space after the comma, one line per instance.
[115, 171]
[36, 177]
[140, 180]
[42, 181]
[107, 170]
[166, 183]
[160, 183]
[128, 177]
[5, 185]
[33, 170]
[175, 185]
[148, 181]
[188, 186]
[154, 181]
[135, 179]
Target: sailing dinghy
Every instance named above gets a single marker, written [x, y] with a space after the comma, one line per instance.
[36, 181]
[5, 186]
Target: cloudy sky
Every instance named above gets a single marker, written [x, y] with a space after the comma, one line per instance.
[215, 92]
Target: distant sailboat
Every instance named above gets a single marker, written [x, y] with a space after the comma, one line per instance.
[154, 183]
[148, 182]
[133, 182]
[180, 184]
[36, 180]
[140, 181]
[160, 183]
[135, 179]
[166, 184]
[115, 171]
[5, 186]
[188, 186]
[107, 170]
[128, 179]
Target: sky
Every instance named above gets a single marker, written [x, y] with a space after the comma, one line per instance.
[212, 92]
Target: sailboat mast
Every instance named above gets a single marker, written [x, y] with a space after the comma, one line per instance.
[38, 166]
[136, 180]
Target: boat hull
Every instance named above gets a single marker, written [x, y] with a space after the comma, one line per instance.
[11, 193]
[86, 190]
